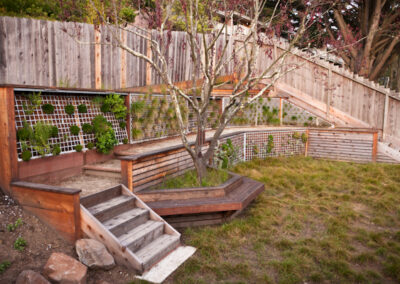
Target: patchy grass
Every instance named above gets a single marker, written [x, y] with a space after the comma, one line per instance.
[317, 222]
[189, 179]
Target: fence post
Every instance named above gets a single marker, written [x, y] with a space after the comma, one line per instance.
[385, 115]
[307, 142]
[97, 57]
[126, 173]
[374, 146]
[329, 93]
[148, 66]
[123, 60]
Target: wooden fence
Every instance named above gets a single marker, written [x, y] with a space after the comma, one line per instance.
[38, 52]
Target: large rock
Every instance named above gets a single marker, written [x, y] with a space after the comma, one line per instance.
[94, 254]
[31, 277]
[62, 268]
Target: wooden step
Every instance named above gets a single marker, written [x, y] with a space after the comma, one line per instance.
[126, 221]
[112, 207]
[157, 249]
[98, 197]
[142, 235]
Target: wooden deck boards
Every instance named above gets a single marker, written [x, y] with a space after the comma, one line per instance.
[236, 200]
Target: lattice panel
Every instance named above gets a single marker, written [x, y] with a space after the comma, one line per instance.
[285, 143]
[62, 120]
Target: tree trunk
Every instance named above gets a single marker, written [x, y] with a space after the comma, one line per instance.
[201, 168]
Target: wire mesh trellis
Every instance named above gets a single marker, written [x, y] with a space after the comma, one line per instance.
[265, 111]
[62, 120]
[156, 121]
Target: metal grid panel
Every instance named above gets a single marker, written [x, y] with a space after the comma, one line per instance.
[285, 143]
[294, 115]
[159, 129]
[62, 120]
[92, 111]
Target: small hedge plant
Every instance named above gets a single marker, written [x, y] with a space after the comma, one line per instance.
[74, 130]
[26, 155]
[125, 140]
[90, 145]
[82, 108]
[56, 150]
[122, 124]
[48, 108]
[54, 132]
[69, 109]
[87, 128]
[78, 148]
[104, 133]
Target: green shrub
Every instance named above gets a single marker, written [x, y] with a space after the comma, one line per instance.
[87, 128]
[138, 107]
[90, 145]
[136, 133]
[20, 244]
[56, 150]
[74, 130]
[122, 124]
[54, 131]
[105, 107]
[39, 137]
[4, 266]
[48, 108]
[69, 109]
[296, 135]
[78, 148]
[116, 104]
[125, 140]
[25, 133]
[304, 137]
[104, 133]
[106, 141]
[34, 101]
[82, 108]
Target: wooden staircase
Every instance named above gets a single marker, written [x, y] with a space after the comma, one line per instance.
[135, 235]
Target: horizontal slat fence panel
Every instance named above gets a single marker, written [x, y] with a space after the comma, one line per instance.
[340, 145]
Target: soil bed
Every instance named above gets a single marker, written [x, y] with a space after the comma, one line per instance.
[41, 242]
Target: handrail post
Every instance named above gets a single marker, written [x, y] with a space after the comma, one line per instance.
[126, 173]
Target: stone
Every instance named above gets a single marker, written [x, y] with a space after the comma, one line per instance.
[31, 277]
[94, 254]
[62, 268]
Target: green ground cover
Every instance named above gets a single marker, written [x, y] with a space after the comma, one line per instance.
[317, 222]
[214, 177]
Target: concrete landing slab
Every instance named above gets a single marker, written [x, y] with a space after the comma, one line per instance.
[159, 272]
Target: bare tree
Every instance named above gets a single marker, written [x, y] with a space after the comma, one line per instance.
[214, 46]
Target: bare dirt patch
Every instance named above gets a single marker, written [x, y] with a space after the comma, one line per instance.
[41, 242]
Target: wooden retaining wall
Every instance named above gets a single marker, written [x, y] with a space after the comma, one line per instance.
[343, 145]
[141, 171]
[57, 207]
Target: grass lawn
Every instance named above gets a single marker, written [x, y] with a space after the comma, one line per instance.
[317, 222]
[189, 179]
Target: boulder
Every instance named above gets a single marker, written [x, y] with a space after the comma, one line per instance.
[31, 277]
[62, 268]
[94, 254]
